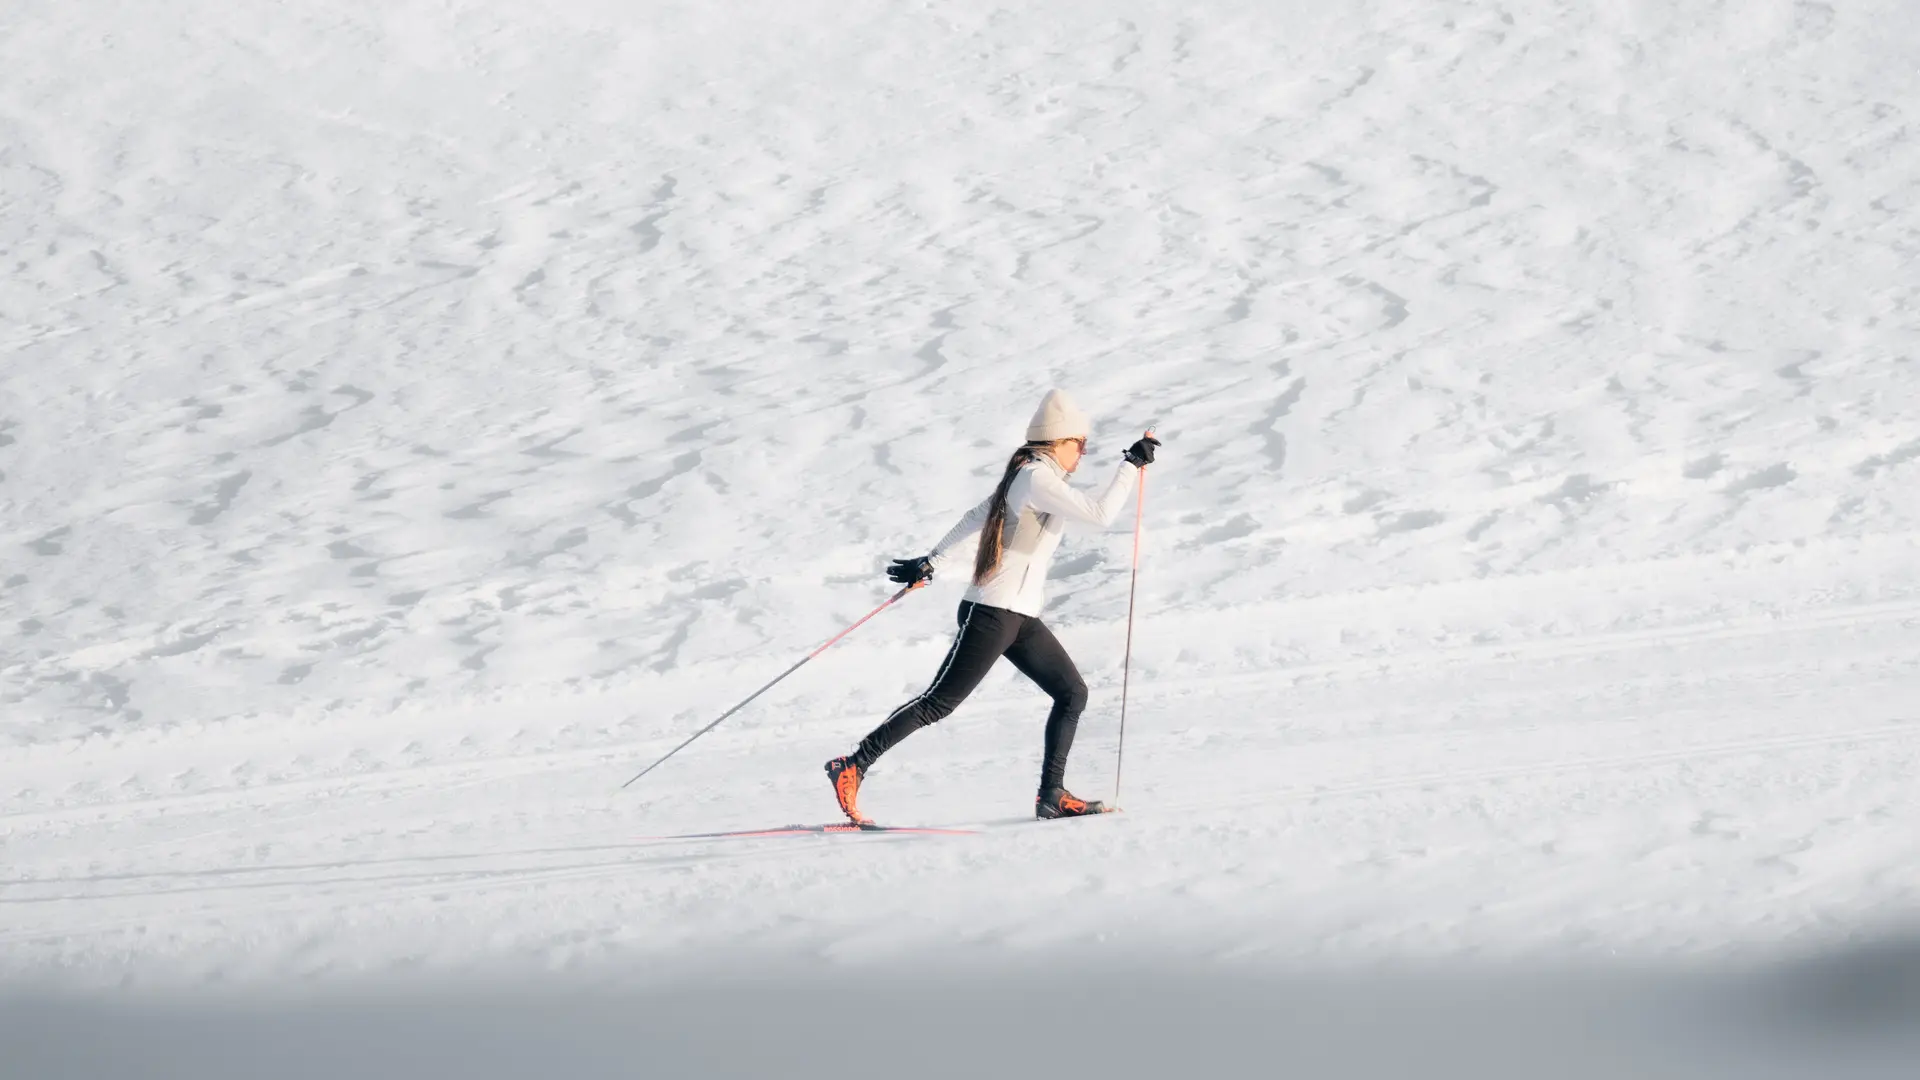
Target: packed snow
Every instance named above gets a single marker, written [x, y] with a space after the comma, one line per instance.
[415, 417]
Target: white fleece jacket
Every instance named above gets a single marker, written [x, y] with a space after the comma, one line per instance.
[1040, 503]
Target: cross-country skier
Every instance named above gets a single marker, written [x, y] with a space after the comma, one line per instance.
[1019, 527]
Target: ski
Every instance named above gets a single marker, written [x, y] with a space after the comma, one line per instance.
[841, 828]
[819, 830]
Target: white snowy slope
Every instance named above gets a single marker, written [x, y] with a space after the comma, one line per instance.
[415, 417]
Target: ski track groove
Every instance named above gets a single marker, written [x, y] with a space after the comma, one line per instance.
[1787, 744]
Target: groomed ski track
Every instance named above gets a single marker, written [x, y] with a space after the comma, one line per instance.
[1660, 790]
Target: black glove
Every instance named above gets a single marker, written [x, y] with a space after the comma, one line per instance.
[1141, 453]
[911, 571]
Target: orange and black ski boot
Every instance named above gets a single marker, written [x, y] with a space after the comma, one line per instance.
[1059, 803]
[846, 775]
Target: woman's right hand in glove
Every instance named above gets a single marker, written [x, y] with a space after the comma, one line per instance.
[911, 571]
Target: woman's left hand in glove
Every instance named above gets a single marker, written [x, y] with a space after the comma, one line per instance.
[1140, 454]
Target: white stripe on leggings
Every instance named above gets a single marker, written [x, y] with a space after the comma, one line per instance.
[952, 655]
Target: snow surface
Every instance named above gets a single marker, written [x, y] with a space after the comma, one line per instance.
[416, 416]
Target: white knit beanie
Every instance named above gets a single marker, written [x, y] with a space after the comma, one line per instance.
[1058, 418]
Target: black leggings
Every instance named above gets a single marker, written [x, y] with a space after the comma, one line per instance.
[986, 634]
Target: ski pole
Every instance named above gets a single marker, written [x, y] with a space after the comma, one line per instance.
[1126, 663]
[796, 667]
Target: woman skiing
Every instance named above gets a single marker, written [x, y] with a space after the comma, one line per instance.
[1019, 527]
